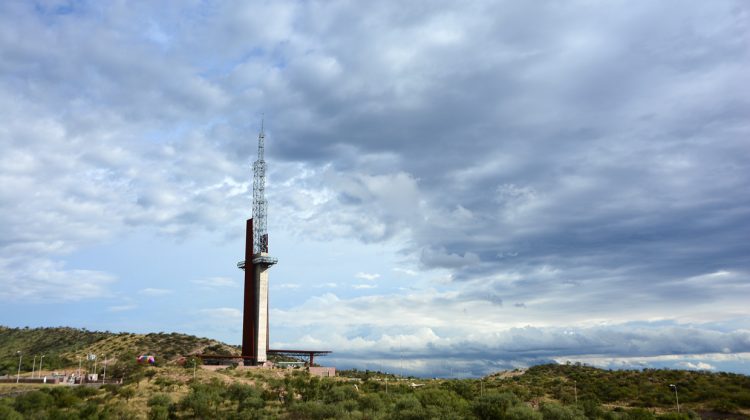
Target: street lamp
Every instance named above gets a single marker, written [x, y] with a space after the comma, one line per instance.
[18, 375]
[676, 398]
[32, 367]
[40, 365]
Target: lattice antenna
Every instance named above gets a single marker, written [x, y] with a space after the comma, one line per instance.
[260, 205]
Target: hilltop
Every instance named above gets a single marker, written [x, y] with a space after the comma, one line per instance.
[62, 346]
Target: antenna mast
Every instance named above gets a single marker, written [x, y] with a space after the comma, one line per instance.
[260, 205]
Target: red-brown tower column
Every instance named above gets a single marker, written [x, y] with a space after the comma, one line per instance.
[250, 311]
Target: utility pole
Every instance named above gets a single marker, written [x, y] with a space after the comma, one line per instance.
[40, 365]
[33, 364]
[676, 398]
[18, 375]
[79, 367]
[104, 378]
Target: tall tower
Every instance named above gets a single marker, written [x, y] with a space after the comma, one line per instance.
[255, 322]
[260, 205]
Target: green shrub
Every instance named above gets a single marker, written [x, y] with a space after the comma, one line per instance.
[493, 405]
[591, 408]
[312, 410]
[64, 397]
[674, 416]
[441, 402]
[409, 408]
[127, 392]
[33, 401]
[7, 411]
[84, 391]
[639, 414]
[371, 402]
[203, 399]
[522, 412]
[341, 393]
[553, 411]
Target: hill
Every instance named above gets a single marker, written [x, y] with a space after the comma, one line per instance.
[62, 346]
[544, 392]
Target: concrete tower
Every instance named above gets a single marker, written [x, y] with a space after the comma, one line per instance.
[256, 264]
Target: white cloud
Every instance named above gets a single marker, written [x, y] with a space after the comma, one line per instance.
[364, 286]
[230, 314]
[367, 276]
[406, 271]
[43, 280]
[697, 366]
[215, 282]
[530, 180]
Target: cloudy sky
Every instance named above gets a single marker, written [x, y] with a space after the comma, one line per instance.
[454, 187]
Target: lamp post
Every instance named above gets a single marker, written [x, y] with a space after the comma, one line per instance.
[104, 378]
[79, 367]
[33, 364]
[18, 375]
[40, 365]
[676, 398]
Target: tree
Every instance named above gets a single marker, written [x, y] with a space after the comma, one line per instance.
[553, 411]
[522, 412]
[160, 405]
[493, 406]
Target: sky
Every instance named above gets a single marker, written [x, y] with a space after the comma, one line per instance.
[455, 188]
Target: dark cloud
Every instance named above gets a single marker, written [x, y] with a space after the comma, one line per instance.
[579, 160]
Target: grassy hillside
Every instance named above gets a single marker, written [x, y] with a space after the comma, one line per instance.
[545, 392]
[62, 346]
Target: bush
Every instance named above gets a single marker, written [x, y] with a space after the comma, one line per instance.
[409, 408]
[440, 402]
[246, 396]
[127, 392]
[64, 397]
[371, 402]
[117, 410]
[553, 411]
[203, 399]
[639, 414]
[341, 393]
[33, 401]
[493, 406]
[84, 391]
[7, 412]
[674, 416]
[313, 410]
[522, 412]
[592, 409]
